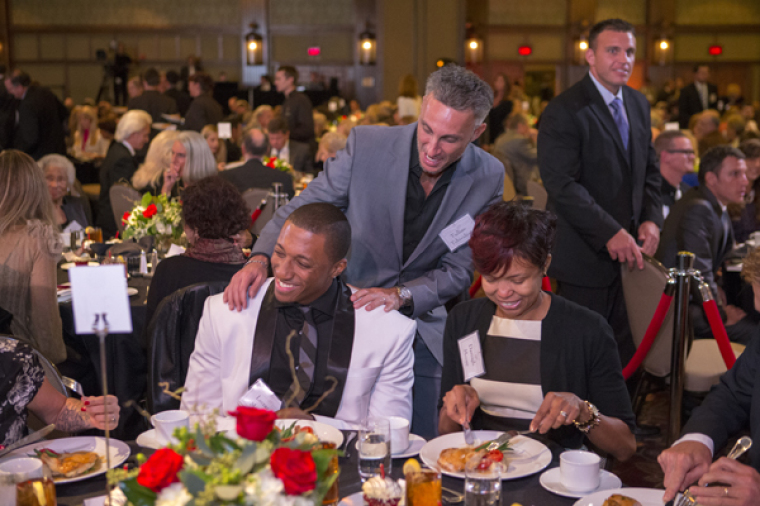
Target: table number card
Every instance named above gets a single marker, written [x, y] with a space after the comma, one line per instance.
[224, 130]
[472, 356]
[99, 290]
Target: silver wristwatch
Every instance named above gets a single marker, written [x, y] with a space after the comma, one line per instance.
[405, 295]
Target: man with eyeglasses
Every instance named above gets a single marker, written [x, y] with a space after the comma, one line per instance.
[676, 153]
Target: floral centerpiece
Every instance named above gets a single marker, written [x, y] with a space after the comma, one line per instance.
[158, 217]
[264, 466]
[277, 163]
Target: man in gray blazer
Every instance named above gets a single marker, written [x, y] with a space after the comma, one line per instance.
[411, 194]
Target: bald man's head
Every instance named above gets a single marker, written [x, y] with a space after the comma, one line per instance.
[255, 143]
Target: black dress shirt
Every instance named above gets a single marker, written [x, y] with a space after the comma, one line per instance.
[290, 317]
[420, 210]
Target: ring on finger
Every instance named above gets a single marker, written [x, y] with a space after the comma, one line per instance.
[563, 414]
[725, 491]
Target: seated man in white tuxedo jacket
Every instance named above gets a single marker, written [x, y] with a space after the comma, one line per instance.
[368, 353]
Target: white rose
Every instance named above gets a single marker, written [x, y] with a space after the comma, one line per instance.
[173, 495]
[160, 227]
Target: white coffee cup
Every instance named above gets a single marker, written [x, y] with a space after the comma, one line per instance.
[579, 470]
[165, 423]
[754, 239]
[399, 434]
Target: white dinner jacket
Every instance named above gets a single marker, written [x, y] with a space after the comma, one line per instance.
[380, 374]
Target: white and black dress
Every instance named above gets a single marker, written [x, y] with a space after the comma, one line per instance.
[21, 377]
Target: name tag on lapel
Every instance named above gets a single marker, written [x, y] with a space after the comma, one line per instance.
[472, 356]
[458, 233]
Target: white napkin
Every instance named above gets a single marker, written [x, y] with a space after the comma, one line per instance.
[174, 250]
[117, 499]
[73, 227]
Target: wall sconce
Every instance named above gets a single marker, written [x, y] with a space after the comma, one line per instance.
[367, 47]
[254, 46]
[663, 51]
[473, 49]
[580, 47]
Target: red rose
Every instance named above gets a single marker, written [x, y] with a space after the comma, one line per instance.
[151, 210]
[254, 424]
[271, 163]
[160, 470]
[296, 469]
[126, 216]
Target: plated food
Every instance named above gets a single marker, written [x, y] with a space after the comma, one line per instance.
[454, 459]
[304, 433]
[68, 465]
[620, 500]
[381, 491]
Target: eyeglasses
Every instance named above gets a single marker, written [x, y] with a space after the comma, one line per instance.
[681, 151]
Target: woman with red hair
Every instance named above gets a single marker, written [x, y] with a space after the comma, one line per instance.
[548, 364]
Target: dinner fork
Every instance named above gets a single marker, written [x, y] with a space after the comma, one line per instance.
[72, 385]
[741, 446]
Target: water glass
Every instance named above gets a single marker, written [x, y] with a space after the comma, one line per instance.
[482, 486]
[374, 447]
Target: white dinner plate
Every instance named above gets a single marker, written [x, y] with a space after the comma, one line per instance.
[119, 452]
[550, 480]
[132, 291]
[530, 456]
[69, 265]
[325, 433]
[646, 496]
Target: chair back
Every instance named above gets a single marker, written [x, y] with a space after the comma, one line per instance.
[123, 200]
[171, 341]
[51, 371]
[254, 196]
[538, 192]
[266, 214]
[642, 290]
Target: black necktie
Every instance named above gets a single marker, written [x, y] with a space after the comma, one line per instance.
[300, 320]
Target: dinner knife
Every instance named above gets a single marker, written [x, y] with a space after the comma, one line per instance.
[31, 438]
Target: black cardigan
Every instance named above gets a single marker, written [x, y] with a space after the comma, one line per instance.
[578, 355]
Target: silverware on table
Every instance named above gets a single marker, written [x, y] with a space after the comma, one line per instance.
[31, 438]
[468, 437]
[741, 446]
[451, 496]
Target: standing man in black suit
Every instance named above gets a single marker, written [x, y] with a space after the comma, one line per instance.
[700, 223]
[732, 406]
[39, 119]
[180, 97]
[204, 110]
[7, 113]
[253, 173]
[151, 100]
[297, 108]
[297, 154]
[697, 96]
[600, 171]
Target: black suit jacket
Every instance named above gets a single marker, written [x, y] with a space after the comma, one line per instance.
[297, 111]
[733, 405]
[39, 130]
[155, 104]
[253, 174]
[594, 185]
[182, 99]
[690, 104]
[694, 224]
[204, 110]
[119, 164]
[300, 157]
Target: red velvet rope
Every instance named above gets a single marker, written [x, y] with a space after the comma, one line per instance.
[546, 285]
[719, 331]
[652, 330]
[255, 216]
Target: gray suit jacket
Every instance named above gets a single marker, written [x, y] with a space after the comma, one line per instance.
[368, 182]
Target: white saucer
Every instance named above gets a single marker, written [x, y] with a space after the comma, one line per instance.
[550, 480]
[415, 445]
[132, 291]
[149, 439]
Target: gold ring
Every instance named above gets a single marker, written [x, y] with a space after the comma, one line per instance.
[725, 491]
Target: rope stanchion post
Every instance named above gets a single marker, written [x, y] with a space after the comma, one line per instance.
[683, 274]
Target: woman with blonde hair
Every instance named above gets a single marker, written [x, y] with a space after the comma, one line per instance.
[217, 146]
[191, 161]
[149, 176]
[29, 250]
[88, 144]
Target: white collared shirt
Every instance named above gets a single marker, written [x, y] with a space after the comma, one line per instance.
[284, 153]
[608, 97]
[129, 147]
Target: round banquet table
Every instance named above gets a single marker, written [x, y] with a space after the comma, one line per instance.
[526, 491]
[126, 356]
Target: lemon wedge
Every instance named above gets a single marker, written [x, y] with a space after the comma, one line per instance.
[412, 466]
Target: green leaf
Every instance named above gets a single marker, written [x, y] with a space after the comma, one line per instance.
[137, 494]
[146, 199]
[322, 460]
[246, 461]
[194, 482]
[200, 443]
[199, 459]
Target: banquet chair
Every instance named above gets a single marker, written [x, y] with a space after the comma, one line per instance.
[642, 290]
[538, 192]
[253, 198]
[123, 200]
[266, 214]
[171, 341]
